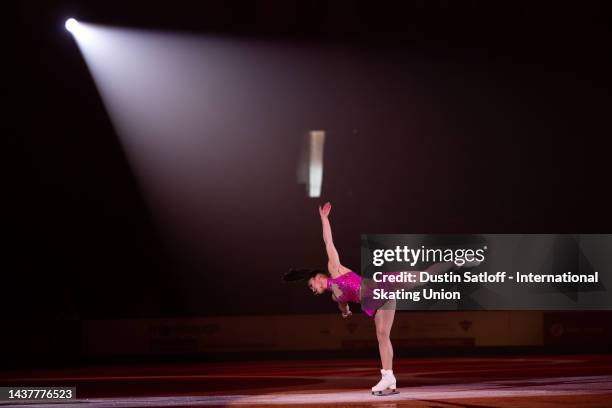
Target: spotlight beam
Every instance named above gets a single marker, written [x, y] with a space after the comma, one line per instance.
[71, 25]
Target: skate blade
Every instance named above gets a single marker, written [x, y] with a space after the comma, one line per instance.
[385, 393]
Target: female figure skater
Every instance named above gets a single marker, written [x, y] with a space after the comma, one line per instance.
[345, 286]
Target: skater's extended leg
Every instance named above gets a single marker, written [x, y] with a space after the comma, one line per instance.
[433, 269]
[441, 267]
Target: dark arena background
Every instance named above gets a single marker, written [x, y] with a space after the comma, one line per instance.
[167, 160]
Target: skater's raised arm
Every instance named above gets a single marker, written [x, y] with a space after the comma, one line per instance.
[333, 263]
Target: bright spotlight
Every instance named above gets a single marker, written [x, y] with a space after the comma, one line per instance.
[317, 140]
[71, 25]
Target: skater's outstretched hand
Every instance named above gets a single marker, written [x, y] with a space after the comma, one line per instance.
[325, 210]
[344, 308]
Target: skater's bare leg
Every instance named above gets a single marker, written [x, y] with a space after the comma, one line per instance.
[433, 269]
[441, 267]
[384, 321]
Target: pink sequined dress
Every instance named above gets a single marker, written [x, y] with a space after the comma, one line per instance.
[347, 288]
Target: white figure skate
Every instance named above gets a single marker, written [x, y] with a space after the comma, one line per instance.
[471, 264]
[386, 385]
[467, 266]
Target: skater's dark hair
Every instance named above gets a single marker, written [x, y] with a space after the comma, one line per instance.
[301, 274]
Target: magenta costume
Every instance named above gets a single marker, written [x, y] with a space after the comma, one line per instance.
[350, 288]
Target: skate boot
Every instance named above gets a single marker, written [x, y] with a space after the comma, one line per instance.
[386, 385]
[467, 266]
